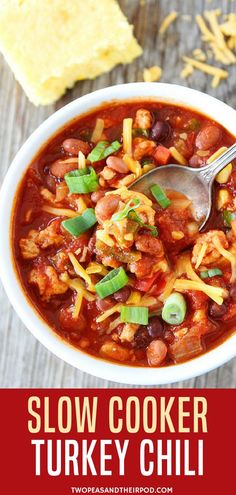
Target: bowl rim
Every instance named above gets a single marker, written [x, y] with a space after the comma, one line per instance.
[180, 95]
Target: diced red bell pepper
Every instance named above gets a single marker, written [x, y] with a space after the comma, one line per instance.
[162, 155]
[146, 283]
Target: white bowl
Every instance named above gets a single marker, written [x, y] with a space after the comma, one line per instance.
[201, 102]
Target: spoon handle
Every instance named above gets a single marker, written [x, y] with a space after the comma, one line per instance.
[209, 172]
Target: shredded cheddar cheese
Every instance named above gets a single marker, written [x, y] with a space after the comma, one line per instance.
[94, 267]
[168, 288]
[186, 71]
[208, 69]
[177, 156]
[169, 19]
[221, 44]
[134, 298]
[184, 266]
[98, 130]
[161, 265]
[81, 272]
[77, 285]
[153, 74]
[77, 306]
[148, 301]
[227, 255]
[127, 136]
[81, 160]
[109, 312]
[218, 45]
[126, 194]
[81, 205]
[104, 237]
[201, 254]
[199, 55]
[134, 165]
[216, 293]
[60, 212]
[113, 325]
[126, 181]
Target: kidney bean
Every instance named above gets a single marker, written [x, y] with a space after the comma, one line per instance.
[104, 304]
[106, 206]
[148, 244]
[197, 161]
[95, 196]
[160, 131]
[117, 164]
[59, 168]
[156, 352]
[73, 146]
[112, 350]
[123, 294]
[155, 327]
[50, 183]
[208, 137]
[232, 292]
[217, 310]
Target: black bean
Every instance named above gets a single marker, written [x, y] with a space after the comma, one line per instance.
[217, 310]
[208, 137]
[160, 131]
[155, 327]
[142, 339]
[122, 295]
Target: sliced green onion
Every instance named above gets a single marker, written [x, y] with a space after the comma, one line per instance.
[134, 314]
[96, 154]
[132, 215]
[174, 309]
[160, 196]
[228, 217]
[102, 150]
[82, 181]
[213, 272]
[77, 225]
[130, 206]
[115, 146]
[115, 280]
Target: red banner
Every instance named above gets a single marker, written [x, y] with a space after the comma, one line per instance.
[117, 441]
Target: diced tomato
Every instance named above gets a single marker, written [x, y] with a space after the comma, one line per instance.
[162, 155]
[146, 283]
[158, 288]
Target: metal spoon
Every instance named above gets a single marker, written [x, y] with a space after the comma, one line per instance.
[195, 183]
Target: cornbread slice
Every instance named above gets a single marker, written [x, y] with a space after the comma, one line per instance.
[50, 44]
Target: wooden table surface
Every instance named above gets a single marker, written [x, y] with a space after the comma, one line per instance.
[24, 362]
